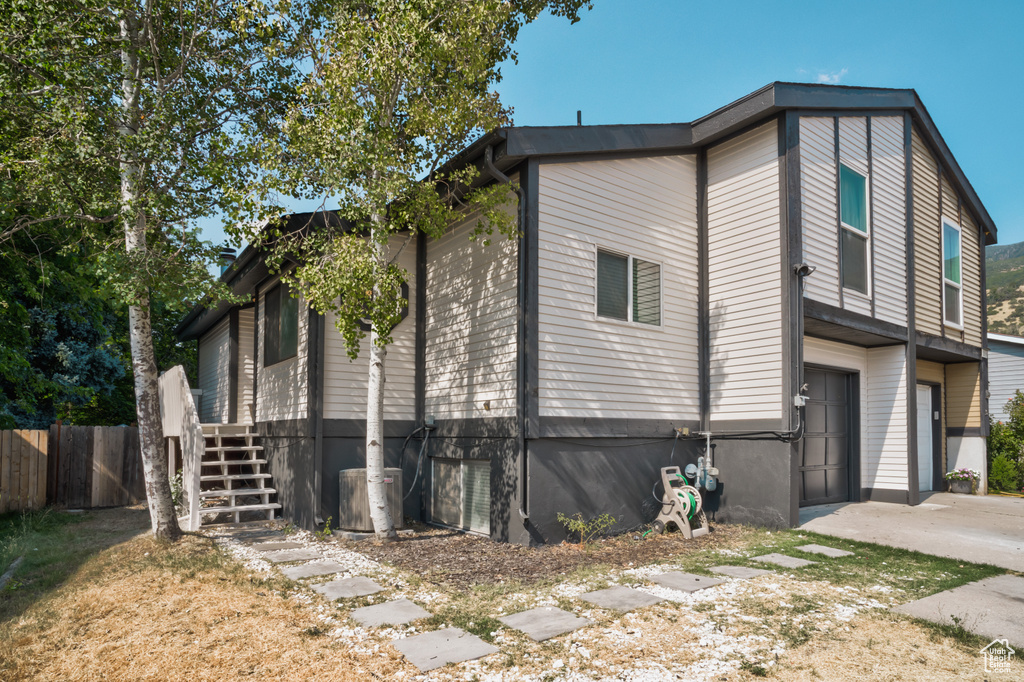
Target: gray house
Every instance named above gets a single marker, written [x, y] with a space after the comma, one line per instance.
[1006, 367]
[795, 278]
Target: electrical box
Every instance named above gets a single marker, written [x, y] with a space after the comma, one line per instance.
[354, 505]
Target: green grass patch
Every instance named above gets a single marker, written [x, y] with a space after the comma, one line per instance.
[474, 619]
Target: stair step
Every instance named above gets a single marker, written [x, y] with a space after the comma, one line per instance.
[239, 508]
[230, 462]
[232, 477]
[236, 448]
[210, 431]
[237, 492]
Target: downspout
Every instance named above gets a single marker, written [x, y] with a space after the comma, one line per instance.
[524, 513]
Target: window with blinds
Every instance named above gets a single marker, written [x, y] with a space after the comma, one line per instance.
[855, 233]
[461, 494]
[952, 303]
[628, 288]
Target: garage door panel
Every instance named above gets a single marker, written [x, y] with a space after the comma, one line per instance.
[814, 452]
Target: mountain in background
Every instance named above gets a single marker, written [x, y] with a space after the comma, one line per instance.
[1004, 277]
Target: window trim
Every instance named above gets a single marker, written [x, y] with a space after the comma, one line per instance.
[942, 263]
[629, 321]
[274, 289]
[866, 235]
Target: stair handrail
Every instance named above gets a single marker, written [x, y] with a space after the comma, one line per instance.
[181, 419]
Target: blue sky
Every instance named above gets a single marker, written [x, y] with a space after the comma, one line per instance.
[660, 61]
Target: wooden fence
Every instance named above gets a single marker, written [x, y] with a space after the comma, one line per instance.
[70, 466]
[23, 469]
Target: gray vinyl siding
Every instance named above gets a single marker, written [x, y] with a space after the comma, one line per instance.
[345, 380]
[744, 277]
[471, 291]
[214, 374]
[889, 218]
[592, 366]
[246, 359]
[819, 210]
[1005, 374]
[887, 212]
[283, 388]
[882, 407]
[927, 239]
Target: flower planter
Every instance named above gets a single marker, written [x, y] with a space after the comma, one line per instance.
[962, 487]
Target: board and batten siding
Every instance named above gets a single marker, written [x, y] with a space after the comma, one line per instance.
[882, 406]
[887, 210]
[471, 292]
[889, 218]
[745, 277]
[885, 427]
[282, 390]
[214, 373]
[246, 358]
[927, 238]
[604, 368]
[936, 199]
[345, 380]
[963, 395]
[1005, 374]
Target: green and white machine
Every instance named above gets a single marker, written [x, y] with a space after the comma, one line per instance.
[680, 506]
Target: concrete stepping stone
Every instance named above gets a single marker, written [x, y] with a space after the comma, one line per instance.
[346, 588]
[274, 546]
[827, 551]
[284, 555]
[545, 622]
[620, 598]
[312, 569]
[741, 572]
[398, 612]
[435, 649]
[989, 607]
[783, 560]
[685, 582]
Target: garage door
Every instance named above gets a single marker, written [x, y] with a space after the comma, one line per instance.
[825, 448]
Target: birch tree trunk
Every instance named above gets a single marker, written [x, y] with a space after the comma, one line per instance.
[380, 511]
[140, 329]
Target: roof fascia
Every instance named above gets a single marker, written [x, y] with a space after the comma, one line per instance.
[1016, 340]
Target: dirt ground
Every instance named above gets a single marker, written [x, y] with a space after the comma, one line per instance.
[451, 559]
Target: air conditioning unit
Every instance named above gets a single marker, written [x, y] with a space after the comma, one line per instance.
[354, 507]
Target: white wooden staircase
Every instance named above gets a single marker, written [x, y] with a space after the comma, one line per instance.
[232, 477]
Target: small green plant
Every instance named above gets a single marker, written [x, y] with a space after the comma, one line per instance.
[585, 530]
[178, 492]
[753, 668]
[325, 533]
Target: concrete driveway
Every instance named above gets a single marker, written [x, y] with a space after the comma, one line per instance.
[985, 529]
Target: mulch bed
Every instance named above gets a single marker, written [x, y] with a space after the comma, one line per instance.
[452, 559]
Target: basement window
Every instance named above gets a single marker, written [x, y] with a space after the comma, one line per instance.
[628, 288]
[854, 232]
[952, 286]
[460, 495]
[281, 319]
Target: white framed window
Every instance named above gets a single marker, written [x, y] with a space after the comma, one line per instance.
[855, 265]
[952, 281]
[628, 288]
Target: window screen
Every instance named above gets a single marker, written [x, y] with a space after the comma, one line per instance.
[612, 285]
[855, 262]
[281, 319]
[646, 292]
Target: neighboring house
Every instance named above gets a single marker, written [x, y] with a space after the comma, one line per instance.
[1006, 371]
[656, 287]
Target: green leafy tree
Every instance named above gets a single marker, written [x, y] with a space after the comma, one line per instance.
[123, 123]
[1005, 445]
[395, 90]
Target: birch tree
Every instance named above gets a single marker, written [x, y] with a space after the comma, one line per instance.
[123, 123]
[395, 90]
